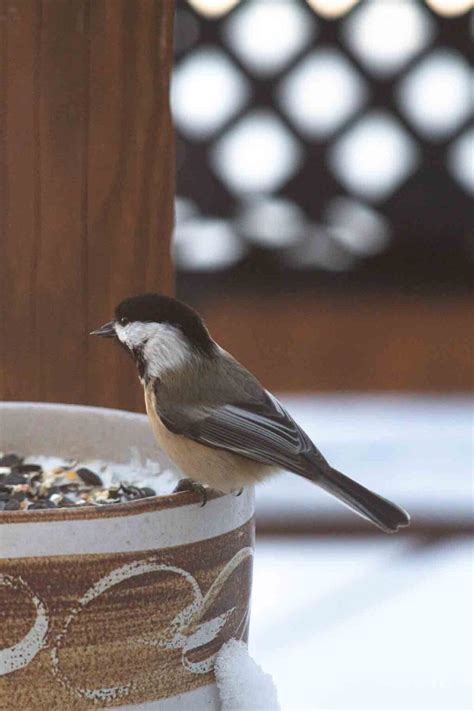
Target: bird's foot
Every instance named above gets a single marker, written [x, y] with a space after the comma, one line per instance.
[190, 485]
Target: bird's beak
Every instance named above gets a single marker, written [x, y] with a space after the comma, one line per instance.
[107, 330]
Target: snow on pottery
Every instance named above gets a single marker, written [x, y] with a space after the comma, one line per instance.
[121, 605]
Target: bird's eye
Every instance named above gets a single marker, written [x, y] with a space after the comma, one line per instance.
[123, 321]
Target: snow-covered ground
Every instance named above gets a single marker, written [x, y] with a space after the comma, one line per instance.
[382, 622]
[364, 625]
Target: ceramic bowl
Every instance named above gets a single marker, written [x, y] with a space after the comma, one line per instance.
[124, 606]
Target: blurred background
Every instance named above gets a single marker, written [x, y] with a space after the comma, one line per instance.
[325, 170]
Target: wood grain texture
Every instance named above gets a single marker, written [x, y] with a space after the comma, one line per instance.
[131, 182]
[87, 184]
[3, 190]
[19, 199]
[60, 268]
[372, 342]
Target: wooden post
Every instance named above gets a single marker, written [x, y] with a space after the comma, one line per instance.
[86, 189]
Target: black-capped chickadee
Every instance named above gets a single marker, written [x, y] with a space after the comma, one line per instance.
[213, 418]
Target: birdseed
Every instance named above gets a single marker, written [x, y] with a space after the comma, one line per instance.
[51, 483]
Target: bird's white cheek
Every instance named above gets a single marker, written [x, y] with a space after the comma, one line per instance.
[121, 333]
[135, 335]
[166, 351]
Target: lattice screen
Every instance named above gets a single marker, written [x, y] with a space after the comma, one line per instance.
[311, 144]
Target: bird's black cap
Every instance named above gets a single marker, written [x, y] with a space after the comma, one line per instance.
[157, 308]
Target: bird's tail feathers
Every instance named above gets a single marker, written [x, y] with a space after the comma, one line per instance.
[383, 513]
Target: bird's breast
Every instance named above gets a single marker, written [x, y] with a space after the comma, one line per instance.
[218, 468]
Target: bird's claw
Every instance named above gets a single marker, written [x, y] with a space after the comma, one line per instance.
[238, 492]
[190, 485]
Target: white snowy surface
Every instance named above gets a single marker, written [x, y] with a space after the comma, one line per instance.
[242, 684]
[415, 450]
[364, 624]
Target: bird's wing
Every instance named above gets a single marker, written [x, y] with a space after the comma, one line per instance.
[262, 431]
[265, 432]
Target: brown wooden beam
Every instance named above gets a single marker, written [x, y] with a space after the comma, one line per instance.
[358, 342]
[87, 185]
[331, 527]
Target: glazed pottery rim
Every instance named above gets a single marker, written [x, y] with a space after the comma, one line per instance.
[150, 503]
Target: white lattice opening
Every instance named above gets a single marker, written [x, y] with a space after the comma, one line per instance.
[266, 35]
[385, 35]
[272, 222]
[206, 244]
[436, 96]
[461, 160]
[374, 156]
[207, 90]
[321, 92]
[258, 154]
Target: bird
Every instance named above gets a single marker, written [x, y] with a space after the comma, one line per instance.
[214, 419]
